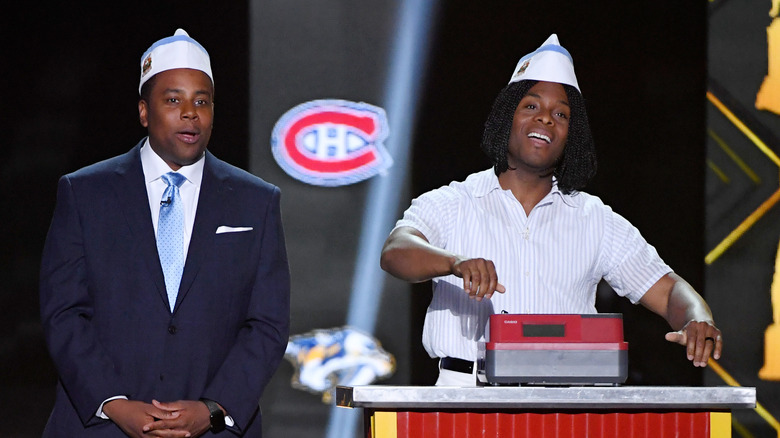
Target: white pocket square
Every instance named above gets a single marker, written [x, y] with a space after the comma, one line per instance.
[226, 229]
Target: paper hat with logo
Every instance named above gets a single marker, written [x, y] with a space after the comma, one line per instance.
[177, 51]
[549, 63]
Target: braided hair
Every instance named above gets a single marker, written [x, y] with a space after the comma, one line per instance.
[577, 164]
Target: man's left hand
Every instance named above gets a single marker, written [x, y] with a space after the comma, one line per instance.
[701, 338]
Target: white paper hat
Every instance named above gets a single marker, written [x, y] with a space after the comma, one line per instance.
[550, 63]
[177, 51]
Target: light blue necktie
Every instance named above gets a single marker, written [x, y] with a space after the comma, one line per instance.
[170, 235]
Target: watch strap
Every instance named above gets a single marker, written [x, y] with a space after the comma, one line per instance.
[216, 415]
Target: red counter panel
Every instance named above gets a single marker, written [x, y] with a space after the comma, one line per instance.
[416, 424]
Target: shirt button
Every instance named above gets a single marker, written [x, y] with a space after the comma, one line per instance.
[172, 329]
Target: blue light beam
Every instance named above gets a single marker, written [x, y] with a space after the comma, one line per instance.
[410, 50]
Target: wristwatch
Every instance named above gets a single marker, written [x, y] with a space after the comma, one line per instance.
[216, 416]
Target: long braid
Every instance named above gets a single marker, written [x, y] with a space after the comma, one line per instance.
[578, 164]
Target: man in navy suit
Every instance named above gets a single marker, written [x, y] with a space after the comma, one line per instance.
[137, 355]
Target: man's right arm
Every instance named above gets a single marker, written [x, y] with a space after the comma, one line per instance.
[87, 374]
[408, 255]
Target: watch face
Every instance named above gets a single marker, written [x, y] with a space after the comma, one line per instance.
[218, 421]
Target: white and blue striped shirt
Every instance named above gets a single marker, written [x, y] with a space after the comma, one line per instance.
[549, 261]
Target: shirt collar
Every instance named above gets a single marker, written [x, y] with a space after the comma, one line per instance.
[567, 199]
[487, 181]
[154, 166]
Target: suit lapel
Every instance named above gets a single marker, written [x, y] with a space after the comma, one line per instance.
[207, 218]
[130, 189]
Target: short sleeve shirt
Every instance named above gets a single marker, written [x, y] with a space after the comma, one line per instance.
[550, 261]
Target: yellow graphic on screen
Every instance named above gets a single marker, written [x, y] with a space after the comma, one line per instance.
[771, 369]
[768, 97]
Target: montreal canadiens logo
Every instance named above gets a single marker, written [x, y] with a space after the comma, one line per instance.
[331, 142]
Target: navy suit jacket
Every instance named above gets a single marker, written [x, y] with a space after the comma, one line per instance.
[105, 312]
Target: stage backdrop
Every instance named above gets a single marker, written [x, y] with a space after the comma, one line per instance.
[397, 92]
[318, 74]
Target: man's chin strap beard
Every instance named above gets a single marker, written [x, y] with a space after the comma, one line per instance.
[547, 172]
[553, 168]
[550, 173]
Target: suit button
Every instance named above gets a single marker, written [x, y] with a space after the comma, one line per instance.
[172, 329]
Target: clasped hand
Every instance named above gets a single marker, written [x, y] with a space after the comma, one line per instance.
[179, 419]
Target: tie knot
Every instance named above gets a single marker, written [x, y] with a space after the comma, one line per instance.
[174, 179]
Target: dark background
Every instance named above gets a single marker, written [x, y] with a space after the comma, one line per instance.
[70, 99]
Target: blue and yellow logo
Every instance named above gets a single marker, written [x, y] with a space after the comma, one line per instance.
[344, 356]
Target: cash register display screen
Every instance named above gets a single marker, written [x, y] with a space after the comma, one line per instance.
[544, 330]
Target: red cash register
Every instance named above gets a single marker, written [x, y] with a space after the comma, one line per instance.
[554, 350]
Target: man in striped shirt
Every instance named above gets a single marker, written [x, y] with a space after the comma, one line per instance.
[522, 238]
